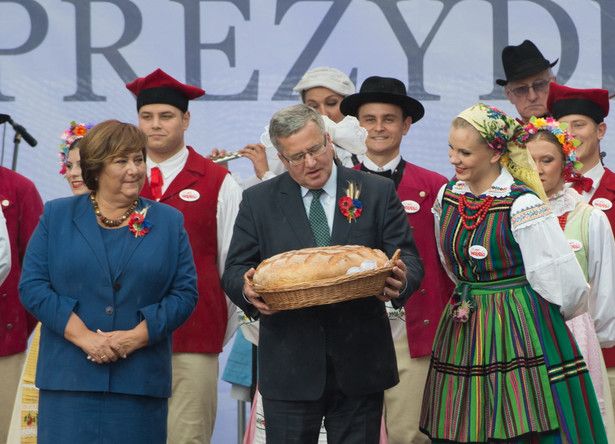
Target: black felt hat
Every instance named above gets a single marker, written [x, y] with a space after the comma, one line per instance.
[383, 90]
[522, 61]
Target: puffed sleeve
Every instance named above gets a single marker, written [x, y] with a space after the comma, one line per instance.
[177, 305]
[550, 265]
[601, 276]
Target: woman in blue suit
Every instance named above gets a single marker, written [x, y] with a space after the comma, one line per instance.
[110, 276]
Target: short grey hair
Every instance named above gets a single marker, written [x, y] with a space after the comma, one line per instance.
[291, 120]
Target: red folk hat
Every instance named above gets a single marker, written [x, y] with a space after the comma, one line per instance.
[563, 101]
[159, 87]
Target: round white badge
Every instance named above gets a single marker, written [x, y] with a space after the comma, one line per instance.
[189, 195]
[575, 244]
[602, 204]
[411, 206]
[478, 252]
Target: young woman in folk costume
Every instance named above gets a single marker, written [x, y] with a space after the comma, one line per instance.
[590, 236]
[504, 366]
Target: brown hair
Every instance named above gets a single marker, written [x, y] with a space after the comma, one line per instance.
[547, 136]
[103, 143]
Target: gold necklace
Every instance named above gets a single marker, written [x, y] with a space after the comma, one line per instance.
[111, 222]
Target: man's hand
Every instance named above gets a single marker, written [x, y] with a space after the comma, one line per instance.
[254, 298]
[395, 283]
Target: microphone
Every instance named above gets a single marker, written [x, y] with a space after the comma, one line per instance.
[19, 129]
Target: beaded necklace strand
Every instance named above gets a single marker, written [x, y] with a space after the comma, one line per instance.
[482, 208]
[111, 222]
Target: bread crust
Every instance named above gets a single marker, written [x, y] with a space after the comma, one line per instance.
[313, 264]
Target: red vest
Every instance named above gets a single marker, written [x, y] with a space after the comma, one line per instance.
[418, 190]
[606, 190]
[204, 331]
[22, 207]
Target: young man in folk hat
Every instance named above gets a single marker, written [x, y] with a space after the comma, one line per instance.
[584, 111]
[209, 199]
[528, 75]
[384, 109]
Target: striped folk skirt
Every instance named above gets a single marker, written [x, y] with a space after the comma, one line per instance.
[511, 373]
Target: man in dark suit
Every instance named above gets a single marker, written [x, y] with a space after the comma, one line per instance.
[332, 361]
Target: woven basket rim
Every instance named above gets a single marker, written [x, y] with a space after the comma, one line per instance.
[329, 282]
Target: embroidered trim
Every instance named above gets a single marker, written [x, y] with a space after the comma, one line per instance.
[528, 215]
[500, 188]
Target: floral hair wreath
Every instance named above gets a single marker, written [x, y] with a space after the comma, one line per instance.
[75, 132]
[567, 142]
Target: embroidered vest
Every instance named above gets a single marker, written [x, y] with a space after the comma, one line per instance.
[496, 254]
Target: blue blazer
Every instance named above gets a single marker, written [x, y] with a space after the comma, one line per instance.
[66, 270]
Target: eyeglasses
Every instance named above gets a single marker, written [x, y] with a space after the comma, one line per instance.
[299, 158]
[540, 86]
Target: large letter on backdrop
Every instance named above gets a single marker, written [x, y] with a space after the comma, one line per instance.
[192, 17]
[309, 53]
[414, 53]
[84, 51]
[607, 37]
[39, 23]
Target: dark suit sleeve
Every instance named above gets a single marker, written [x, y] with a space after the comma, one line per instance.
[398, 234]
[243, 254]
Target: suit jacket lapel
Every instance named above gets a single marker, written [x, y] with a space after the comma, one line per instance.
[85, 222]
[291, 205]
[341, 226]
[131, 244]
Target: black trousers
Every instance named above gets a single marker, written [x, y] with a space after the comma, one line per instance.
[348, 419]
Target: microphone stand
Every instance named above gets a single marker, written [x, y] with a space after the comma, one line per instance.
[20, 132]
[16, 141]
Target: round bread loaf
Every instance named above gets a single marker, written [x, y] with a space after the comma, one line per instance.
[313, 264]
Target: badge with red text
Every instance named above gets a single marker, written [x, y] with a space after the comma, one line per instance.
[411, 206]
[478, 252]
[189, 195]
[575, 244]
[602, 204]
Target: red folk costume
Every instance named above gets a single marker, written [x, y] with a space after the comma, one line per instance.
[204, 331]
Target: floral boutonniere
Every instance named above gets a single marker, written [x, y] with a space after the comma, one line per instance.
[350, 204]
[462, 306]
[138, 224]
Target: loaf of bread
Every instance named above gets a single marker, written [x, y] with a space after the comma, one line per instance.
[312, 264]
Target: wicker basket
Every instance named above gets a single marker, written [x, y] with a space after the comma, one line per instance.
[326, 291]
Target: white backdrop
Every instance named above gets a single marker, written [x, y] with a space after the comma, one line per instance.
[63, 60]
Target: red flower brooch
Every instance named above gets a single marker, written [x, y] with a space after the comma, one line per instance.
[350, 204]
[138, 224]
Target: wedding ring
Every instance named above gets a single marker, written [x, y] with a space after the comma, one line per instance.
[103, 356]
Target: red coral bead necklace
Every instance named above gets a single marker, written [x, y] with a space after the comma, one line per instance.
[479, 216]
